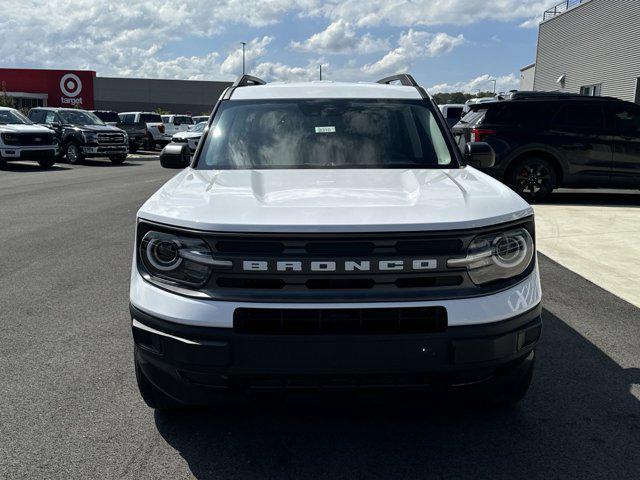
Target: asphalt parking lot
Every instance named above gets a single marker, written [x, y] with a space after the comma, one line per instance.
[70, 406]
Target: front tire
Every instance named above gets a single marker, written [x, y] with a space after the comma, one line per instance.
[152, 395]
[73, 153]
[533, 178]
[118, 159]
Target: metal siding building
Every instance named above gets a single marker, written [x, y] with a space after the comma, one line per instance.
[594, 47]
[140, 94]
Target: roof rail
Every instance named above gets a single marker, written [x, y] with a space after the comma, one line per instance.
[248, 81]
[404, 79]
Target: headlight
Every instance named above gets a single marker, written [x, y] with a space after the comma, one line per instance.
[176, 258]
[497, 256]
[90, 137]
[10, 138]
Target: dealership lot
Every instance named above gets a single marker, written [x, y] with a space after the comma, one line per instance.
[71, 408]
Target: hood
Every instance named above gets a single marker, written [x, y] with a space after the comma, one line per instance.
[98, 128]
[333, 200]
[189, 135]
[22, 128]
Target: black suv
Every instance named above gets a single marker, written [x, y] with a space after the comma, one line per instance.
[81, 134]
[546, 140]
[135, 131]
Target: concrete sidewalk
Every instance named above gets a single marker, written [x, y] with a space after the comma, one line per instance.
[595, 234]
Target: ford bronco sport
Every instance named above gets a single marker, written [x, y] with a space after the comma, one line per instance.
[332, 235]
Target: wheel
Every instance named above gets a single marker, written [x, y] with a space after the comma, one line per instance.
[533, 178]
[73, 153]
[47, 162]
[149, 143]
[118, 159]
[151, 395]
[133, 148]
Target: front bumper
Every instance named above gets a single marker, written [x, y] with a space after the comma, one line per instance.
[189, 363]
[29, 153]
[105, 150]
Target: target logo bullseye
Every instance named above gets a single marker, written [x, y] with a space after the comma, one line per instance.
[70, 85]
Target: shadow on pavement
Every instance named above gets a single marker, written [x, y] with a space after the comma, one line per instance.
[596, 198]
[31, 167]
[579, 420]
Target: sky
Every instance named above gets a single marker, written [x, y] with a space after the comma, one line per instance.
[447, 45]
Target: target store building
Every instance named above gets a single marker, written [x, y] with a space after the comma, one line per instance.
[84, 89]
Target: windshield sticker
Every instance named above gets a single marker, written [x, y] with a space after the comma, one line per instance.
[325, 129]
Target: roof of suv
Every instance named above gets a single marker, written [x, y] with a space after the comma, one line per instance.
[325, 89]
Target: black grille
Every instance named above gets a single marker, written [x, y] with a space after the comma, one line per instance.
[28, 139]
[278, 321]
[110, 138]
[344, 283]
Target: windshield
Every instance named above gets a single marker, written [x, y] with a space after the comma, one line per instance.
[108, 116]
[13, 117]
[250, 134]
[198, 127]
[79, 117]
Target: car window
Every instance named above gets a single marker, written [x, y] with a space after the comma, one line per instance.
[107, 116]
[36, 116]
[626, 119]
[296, 134]
[473, 116]
[150, 118]
[51, 117]
[579, 116]
[79, 117]
[183, 120]
[13, 117]
[454, 112]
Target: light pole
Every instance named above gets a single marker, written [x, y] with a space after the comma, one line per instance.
[243, 44]
[320, 71]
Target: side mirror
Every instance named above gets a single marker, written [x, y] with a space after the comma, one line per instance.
[175, 155]
[56, 124]
[479, 155]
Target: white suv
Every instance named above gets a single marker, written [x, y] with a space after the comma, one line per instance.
[331, 235]
[21, 139]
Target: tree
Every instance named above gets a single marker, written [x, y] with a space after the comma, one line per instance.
[6, 100]
[161, 111]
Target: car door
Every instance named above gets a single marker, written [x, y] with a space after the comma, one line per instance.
[625, 121]
[579, 133]
[53, 121]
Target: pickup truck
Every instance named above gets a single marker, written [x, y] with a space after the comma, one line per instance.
[135, 131]
[154, 128]
[175, 124]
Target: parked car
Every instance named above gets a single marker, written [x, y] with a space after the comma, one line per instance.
[82, 135]
[200, 118]
[452, 113]
[544, 141]
[20, 139]
[175, 124]
[191, 137]
[332, 235]
[154, 128]
[135, 131]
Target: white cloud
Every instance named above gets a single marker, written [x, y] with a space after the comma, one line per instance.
[254, 49]
[341, 37]
[413, 45]
[482, 82]
[403, 13]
